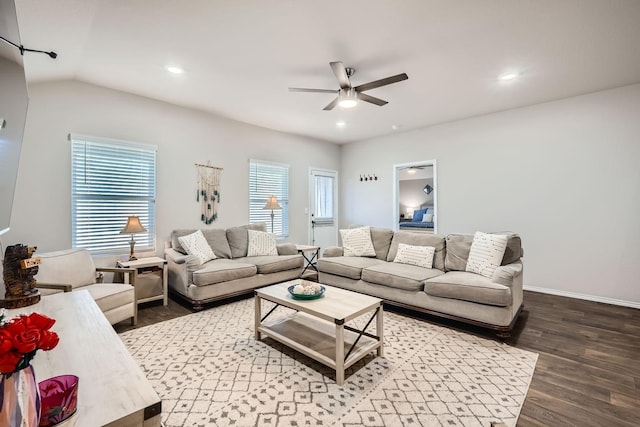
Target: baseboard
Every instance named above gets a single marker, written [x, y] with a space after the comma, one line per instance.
[595, 298]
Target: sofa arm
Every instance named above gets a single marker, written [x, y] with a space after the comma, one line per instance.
[506, 274]
[333, 251]
[287, 249]
[175, 256]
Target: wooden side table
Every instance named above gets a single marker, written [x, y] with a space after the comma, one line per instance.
[144, 266]
[311, 260]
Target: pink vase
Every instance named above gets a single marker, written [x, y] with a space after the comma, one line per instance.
[20, 399]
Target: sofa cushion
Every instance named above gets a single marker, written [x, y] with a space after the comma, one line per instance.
[357, 242]
[381, 238]
[238, 238]
[401, 276]
[350, 267]
[111, 295]
[175, 243]
[222, 270]
[272, 264]
[468, 287]
[217, 239]
[419, 239]
[458, 246]
[261, 243]
[486, 253]
[195, 244]
[422, 256]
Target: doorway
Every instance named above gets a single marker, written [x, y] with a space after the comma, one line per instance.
[415, 194]
[323, 208]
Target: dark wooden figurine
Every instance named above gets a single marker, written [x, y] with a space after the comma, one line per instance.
[19, 270]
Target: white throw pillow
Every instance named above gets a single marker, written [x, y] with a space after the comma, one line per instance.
[357, 242]
[261, 243]
[486, 253]
[195, 244]
[422, 256]
[427, 217]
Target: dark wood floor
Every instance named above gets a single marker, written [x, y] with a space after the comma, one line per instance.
[588, 371]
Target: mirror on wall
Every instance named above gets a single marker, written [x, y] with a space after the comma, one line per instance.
[416, 196]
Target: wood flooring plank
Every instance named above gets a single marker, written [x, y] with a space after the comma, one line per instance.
[625, 401]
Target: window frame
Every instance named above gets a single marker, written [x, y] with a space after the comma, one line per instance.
[260, 191]
[113, 207]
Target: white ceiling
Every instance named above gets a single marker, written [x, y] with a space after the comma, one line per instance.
[241, 56]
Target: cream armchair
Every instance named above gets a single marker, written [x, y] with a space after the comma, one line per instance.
[73, 269]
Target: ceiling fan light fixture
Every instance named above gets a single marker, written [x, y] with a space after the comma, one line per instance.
[348, 98]
[411, 170]
[173, 69]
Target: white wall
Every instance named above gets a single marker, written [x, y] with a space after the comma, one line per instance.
[565, 175]
[42, 207]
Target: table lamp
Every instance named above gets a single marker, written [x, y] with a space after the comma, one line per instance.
[133, 226]
[272, 203]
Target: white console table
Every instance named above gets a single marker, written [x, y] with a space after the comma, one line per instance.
[112, 390]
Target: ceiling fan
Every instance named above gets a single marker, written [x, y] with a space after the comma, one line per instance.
[414, 169]
[348, 95]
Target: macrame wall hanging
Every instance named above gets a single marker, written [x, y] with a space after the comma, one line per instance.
[208, 194]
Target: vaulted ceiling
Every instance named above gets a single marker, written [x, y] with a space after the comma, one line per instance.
[240, 57]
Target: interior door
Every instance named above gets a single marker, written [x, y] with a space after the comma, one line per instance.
[323, 208]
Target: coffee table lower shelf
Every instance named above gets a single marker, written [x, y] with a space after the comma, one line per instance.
[317, 339]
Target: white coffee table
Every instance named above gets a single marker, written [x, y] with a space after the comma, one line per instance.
[318, 327]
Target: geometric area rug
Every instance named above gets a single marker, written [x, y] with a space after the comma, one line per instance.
[210, 371]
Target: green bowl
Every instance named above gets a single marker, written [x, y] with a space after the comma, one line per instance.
[303, 296]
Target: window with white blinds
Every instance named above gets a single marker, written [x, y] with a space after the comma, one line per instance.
[110, 181]
[265, 180]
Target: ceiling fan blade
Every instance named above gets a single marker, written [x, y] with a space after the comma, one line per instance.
[341, 74]
[331, 105]
[302, 89]
[382, 82]
[372, 99]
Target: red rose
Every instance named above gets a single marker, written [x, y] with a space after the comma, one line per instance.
[6, 343]
[48, 340]
[38, 321]
[14, 327]
[27, 341]
[9, 361]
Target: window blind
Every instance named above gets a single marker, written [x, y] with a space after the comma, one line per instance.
[265, 180]
[324, 200]
[110, 181]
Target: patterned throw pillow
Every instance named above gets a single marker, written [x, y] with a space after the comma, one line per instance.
[357, 242]
[261, 243]
[195, 244]
[486, 253]
[422, 256]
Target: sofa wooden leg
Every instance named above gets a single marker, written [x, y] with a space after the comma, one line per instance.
[197, 307]
[503, 335]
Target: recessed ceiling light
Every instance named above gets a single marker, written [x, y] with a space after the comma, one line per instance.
[508, 76]
[395, 127]
[341, 124]
[174, 70]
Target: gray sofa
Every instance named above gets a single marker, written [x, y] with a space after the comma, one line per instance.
[232, 272]
[445, 290]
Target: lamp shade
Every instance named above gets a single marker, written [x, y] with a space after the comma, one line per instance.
[272, 203]
[133, 226]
